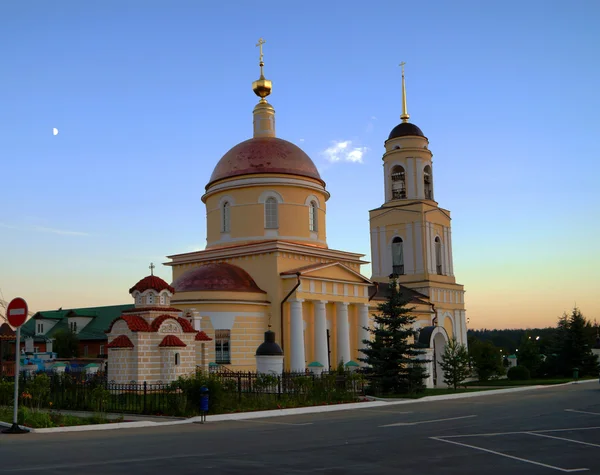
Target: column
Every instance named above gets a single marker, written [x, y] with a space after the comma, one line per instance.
[321, 334]
[297, 336]
[343, 333]
[363, 322]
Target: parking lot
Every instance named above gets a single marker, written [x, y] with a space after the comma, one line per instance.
[575, 449]
[538, 431]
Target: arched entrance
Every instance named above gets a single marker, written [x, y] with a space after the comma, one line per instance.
[438, 343]
[433, 340]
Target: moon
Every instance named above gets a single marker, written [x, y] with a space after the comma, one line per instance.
[54, 131]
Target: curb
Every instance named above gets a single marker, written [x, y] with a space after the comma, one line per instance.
[294, 411]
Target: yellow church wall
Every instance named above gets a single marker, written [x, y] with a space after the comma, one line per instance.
[247, 215]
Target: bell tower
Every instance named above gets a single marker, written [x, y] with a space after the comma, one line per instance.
[411, 237]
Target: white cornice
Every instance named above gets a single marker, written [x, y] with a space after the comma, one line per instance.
[262, 238]
[266, 181]
[263, 248]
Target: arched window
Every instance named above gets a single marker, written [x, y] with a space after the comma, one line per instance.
[428, 181]
[438, 255]
[398, 183]
[225, 220]
[397, 257]
[313, 216]
[150, 299]
[271, 218]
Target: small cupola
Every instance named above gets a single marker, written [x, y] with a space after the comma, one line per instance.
[269, 355]
[152, 291]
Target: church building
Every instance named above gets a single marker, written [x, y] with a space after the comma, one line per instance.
[267, 264]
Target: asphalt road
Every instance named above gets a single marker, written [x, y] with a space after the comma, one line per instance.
[540, 431]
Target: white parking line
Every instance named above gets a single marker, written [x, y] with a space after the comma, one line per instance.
[492, 434]
[561, 438]
[568, 470]
[583, 412]
[427, 422]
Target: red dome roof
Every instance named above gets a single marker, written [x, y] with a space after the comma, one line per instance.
[171, 341]
[151, 282]
[217, 277]
[264, 155]
[122, 341]
[201, 336]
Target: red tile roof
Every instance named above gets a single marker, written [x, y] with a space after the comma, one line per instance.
[186, 325]
[158, 321]
[171, 341]
[122, 341]
[151, 282]
[201, 336]
[134, 322]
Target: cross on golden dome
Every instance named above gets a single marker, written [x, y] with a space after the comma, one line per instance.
[261, 87]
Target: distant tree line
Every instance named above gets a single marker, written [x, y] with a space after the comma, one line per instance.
[544, 352]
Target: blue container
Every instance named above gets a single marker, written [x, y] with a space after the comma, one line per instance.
[204, 399]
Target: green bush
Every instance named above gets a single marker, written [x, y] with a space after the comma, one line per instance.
[7, 390]
[518, 373]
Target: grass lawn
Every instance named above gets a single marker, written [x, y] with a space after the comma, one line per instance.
[39, 420]
[528, 382]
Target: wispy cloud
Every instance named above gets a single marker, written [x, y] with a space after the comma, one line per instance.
[343, 151]
[59, 231]
[7, 226]
[43, 229]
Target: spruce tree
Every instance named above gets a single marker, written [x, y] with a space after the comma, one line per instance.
[578, 345]
[393, 359]
[455, 363]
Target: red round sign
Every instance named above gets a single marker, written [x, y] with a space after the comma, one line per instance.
[16, 312]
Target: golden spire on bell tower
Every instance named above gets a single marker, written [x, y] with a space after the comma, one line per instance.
[261, 87]
[404, 115]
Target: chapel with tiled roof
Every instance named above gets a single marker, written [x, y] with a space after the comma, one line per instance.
[154, 341]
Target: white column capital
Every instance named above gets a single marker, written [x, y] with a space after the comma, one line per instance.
[296, 300]
[342, 304]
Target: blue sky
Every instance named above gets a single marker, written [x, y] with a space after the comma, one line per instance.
[148, 95]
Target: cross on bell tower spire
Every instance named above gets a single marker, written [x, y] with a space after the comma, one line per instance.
[151, 267]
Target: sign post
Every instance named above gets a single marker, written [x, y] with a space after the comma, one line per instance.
[16, 313]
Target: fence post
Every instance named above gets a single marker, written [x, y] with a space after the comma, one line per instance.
[279, 387]
[239, 386]
[145, 395]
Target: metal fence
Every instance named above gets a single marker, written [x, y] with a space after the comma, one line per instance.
[230, 391]
[289, 382]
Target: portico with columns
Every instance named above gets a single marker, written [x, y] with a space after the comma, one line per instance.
[327, 317]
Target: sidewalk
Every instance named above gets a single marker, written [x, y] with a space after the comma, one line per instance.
[139, 420]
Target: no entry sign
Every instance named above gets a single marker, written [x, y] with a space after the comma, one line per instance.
[16, 312]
